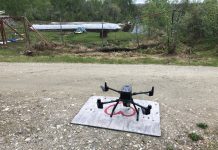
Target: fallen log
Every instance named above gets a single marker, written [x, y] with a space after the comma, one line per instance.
[123, 49]
[115, 49]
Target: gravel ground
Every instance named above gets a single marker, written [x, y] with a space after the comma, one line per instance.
[38, 101]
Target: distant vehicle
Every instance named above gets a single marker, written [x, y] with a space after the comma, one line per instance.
[80, 30]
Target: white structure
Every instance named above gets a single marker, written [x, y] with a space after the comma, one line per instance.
[74, 25]
[139, 2]
[2, 12]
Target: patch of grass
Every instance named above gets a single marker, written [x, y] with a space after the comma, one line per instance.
[93, 40]
[9, 55]
[202, 125]
[94, 37]
[52, 36]
[169, 147]
[90, 39]
[83, 38]
[207, 53]
[195, 137]
[122, 36]
[6, 52]
[76, 59]
[199, 62]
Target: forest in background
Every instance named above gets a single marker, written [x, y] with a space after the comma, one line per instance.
[71, 10]
[186, 22]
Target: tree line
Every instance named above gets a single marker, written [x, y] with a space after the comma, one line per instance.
[185, 22]
[70, 10]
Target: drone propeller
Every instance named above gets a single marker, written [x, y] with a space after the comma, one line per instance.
[104, 88]
[151, 93]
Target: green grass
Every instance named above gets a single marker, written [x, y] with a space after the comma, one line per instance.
[79, 59]
[52, 36]
[202, 125]
[11, 55]
[5, 53]
[195, 137]
[169, 147]
[92, 38]
[83, 38]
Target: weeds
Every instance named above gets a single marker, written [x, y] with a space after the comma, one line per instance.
[202, 125]
[195, 137]
[170, 147]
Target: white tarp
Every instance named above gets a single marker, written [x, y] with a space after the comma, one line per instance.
[138, 29]
[2, 12]
[87, 26]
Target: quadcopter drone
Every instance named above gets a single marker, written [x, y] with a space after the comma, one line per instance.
[126, 98]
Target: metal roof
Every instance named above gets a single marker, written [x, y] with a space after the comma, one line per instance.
[75, 25]
[2, 12]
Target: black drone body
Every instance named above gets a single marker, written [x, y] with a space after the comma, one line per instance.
[126, 97]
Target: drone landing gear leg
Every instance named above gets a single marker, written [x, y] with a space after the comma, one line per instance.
[137, 111]
[114, 108]
[145, 110]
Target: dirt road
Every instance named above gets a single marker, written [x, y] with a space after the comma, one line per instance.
[38, 101]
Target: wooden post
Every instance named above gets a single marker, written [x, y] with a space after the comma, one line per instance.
[26, 30]
[171, 40]
[102, 34]
[2, 31]
[137, 31]
[13, 29]
[41, 37]
[62, 35]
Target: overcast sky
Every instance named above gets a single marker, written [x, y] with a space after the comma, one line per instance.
[139, 1]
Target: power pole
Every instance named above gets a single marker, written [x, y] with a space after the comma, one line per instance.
[62, 38]
[3, 34]
[102, 34]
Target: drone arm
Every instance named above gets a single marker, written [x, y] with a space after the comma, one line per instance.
[114, 90]
[149, 93]
[106, 88]
[109, 102]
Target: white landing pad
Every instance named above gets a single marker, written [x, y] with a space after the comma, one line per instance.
[124, 118]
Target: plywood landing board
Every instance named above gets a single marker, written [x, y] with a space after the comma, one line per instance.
[124, 118]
